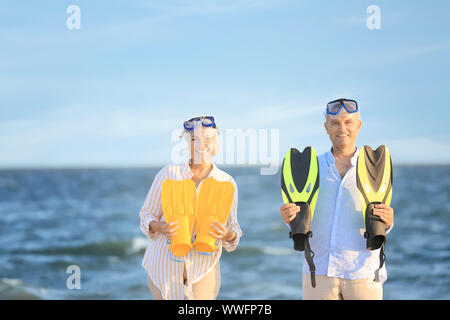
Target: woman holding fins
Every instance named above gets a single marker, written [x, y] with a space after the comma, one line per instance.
[340, 223]
[189, 213]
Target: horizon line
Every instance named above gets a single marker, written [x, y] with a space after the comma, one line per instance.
[115, 167]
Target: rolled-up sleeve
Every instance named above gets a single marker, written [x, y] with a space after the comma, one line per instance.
[233, 224]
[152, 209]
[390, 228]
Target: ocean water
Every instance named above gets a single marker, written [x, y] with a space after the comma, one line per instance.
[51, 219]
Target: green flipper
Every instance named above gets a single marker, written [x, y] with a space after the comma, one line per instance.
[300, 185]
[374, 182]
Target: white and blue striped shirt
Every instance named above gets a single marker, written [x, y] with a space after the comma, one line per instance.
[165, 273]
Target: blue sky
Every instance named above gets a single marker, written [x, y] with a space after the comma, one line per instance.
[111, 93]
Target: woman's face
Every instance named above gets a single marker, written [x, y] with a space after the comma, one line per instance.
[202, 144]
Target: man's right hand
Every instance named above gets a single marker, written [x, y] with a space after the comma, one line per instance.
[289, 211]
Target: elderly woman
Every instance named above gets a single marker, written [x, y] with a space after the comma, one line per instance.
[198, 275]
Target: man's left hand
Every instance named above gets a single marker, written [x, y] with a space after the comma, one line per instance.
[385, 213]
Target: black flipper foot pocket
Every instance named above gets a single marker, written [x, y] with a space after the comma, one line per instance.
[375, 232]
[301, 226]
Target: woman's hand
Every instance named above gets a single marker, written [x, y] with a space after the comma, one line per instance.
[168, 230]
[289, 212]
[222, 232]
[385, 213]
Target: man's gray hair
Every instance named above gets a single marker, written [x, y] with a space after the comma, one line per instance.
[326, 114]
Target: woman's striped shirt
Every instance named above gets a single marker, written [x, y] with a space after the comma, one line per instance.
[164, 272]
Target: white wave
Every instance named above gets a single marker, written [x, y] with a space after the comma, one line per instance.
[16, 289]
[277, 251]
[137, 244]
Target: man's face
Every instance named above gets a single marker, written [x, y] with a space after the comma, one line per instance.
[343, 128]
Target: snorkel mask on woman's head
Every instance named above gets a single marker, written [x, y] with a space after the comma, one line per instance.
[202, 134]
[206, 121]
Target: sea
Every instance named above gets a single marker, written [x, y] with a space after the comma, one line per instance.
[55, 220]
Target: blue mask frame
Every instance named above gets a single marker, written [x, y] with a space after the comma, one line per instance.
[342, 104]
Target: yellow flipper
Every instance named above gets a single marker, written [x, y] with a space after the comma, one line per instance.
[374, 183]
[179, 201]
[215, 200]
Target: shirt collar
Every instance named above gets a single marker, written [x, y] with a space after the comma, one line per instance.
[331, 160]
[187, 173]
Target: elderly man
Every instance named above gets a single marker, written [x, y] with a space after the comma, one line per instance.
[344, 267]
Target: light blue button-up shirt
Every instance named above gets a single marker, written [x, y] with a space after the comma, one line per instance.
[338, 226]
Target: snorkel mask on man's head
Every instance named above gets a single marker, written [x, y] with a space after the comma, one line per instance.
[333, 107]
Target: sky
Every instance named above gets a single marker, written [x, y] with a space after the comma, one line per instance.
[111, 93]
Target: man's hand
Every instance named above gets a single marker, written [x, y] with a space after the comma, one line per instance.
[385, 213]
[289, 212]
